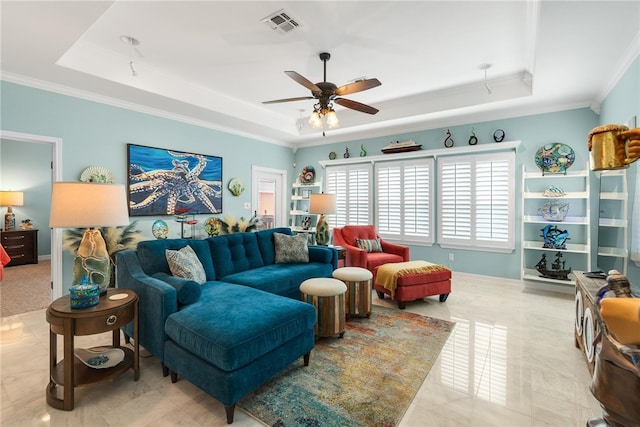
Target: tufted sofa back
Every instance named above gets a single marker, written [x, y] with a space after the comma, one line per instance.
[219, 255]
[234, 253]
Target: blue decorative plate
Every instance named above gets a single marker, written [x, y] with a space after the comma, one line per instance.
[555, 158]
[160, 229]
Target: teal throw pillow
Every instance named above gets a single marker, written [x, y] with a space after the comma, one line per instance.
[188, 290]
[369, 245]
[185, 263]
[290, 249]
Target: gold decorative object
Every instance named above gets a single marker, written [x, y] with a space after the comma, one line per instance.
[613, 146]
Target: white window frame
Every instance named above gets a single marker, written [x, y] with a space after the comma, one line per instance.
[349, 210]
[400, 231]
[468, 239]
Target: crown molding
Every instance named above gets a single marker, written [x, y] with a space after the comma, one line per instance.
[101, 99]
[632, 52]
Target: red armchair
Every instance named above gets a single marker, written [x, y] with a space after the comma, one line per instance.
[356, 257]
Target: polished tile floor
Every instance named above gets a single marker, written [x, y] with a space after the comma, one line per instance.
[510, 361]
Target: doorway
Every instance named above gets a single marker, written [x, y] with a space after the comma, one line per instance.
[56, 175]
[268, 196]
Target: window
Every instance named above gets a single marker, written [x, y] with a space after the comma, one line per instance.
[352, 186]
[476, 202]
[403, 200]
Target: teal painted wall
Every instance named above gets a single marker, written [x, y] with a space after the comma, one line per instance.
[569, 127]
[26, 167]
[622, 103]
[97, 134]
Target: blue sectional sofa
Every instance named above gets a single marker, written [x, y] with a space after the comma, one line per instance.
[238, 329]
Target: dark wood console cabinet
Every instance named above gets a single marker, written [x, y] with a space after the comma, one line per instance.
[21, 245]
[587, 316]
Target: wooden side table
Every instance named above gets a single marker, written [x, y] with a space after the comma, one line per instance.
[21, 246]
[108, 315]
[342, 255]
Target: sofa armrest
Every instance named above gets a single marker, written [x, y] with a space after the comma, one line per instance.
[356, 257]
[393, 248]
[324, 255]
[157, 300]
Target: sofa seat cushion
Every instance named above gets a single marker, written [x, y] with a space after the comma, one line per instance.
[281, 279]
[231, 326]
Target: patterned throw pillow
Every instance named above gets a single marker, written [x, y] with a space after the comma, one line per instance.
[185, 263]
[369, 245]
[290, 249]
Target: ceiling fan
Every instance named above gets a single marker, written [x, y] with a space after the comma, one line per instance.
[326, 93]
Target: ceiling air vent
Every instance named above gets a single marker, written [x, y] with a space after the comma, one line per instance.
[281, 22]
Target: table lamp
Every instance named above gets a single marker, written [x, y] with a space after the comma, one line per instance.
[90, 205]
[323, 204]
[10, 199]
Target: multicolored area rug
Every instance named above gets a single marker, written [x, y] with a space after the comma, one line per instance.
[368, 378]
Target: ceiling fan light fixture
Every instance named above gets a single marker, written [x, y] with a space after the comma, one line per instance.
[332, 119]
[315, 120]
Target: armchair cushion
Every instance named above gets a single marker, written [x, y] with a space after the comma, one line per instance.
[369, 245]
[357, 257]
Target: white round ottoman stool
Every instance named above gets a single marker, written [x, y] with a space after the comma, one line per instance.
[359, 286]
[327, 296]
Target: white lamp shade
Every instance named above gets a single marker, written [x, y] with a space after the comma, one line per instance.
[332, 119]
[88, 204]
[322, 204]
[315, 120]
[11, 198]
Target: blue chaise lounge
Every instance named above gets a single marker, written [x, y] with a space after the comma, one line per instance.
[238, 329]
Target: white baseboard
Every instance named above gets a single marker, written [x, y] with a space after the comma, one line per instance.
[523, 284]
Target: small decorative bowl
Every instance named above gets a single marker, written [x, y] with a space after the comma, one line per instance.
[84, 296]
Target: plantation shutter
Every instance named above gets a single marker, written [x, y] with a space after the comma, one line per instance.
[388, 201]
[476, 206]
[352, 187]
[492, 201]
[403, 200]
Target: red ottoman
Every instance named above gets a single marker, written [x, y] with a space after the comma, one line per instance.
[416, 285]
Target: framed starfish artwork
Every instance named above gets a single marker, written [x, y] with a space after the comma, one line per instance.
[171, 182]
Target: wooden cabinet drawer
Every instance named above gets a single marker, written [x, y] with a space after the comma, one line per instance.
[21, 246]
[106, 322]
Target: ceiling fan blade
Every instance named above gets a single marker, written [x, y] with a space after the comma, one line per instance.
[300, 98]
[358, 86]
[303, 81]
[358, 106]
